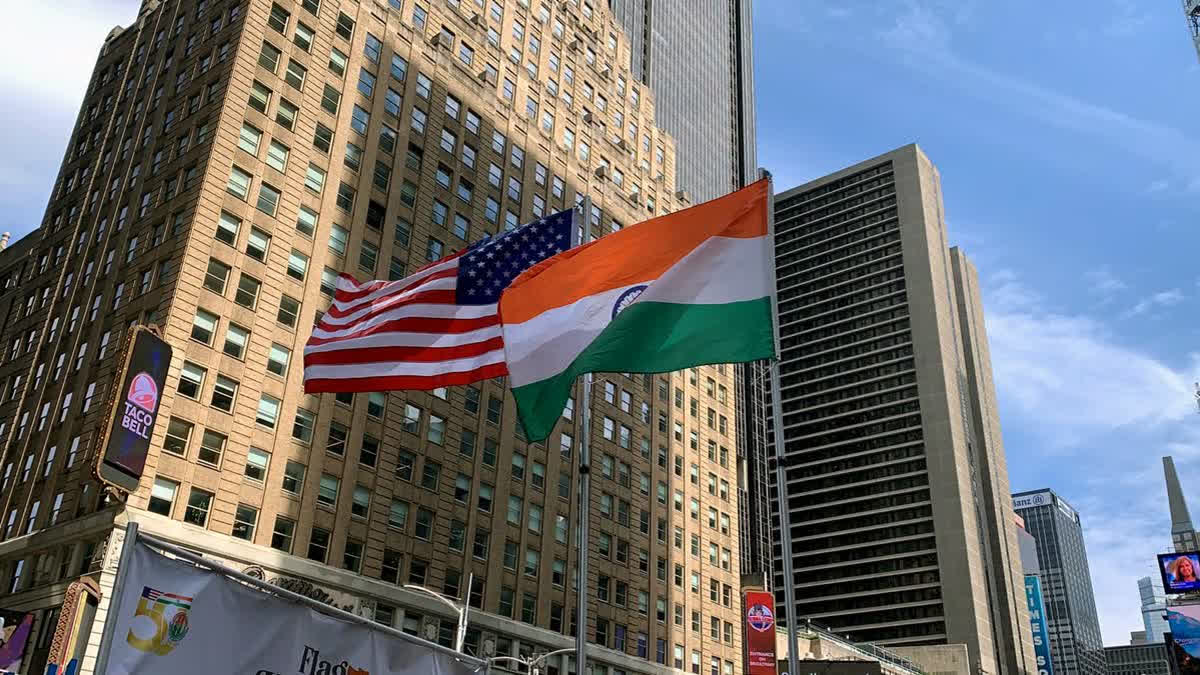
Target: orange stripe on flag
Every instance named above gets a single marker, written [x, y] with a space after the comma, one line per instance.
[636, 254]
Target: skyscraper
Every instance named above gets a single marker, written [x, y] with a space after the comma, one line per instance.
[1076, 645]
[697, 58]
[1154, 608]
[1191, 9]
[1183, 532]
[229, 159]
[893, 455]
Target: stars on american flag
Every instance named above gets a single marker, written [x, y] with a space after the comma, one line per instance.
[489, 266]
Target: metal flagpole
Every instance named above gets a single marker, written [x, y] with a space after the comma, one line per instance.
[113, 615]
[785, 520]
[585, 494]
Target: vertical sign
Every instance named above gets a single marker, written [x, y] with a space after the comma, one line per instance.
[1037, 622]
[134, 410]
[760, 633]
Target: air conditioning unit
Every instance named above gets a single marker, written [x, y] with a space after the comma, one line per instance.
[606, 72]
[436, 40]
[622, 144]
[483, 76]
[564, 146]
[574, 44]
[660, 177]
[635, 196]
[602, 171]
[683, 196]
[588, 117]
[477, 19]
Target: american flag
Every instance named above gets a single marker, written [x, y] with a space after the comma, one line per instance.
[436, 328]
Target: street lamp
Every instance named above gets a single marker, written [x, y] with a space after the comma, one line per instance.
[532, 664]
[460, 635]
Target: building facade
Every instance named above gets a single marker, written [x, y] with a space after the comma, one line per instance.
[885, 378]
[1154, 608]
[697, 58]
[229, 159]
[1143, 659]
[1076, 646]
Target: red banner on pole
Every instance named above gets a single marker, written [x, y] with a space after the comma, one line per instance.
[760, 633]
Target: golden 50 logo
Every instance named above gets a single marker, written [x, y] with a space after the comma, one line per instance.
[168, 614]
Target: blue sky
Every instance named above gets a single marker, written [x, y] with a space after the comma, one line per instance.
[1069, 148]
[1070, 162]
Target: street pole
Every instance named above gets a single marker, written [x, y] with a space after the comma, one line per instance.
[785, 520]
[113, 615]
[461, 638]
[585, 491]
[461, 632]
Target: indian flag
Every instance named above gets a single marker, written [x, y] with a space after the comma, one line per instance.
[688, 289]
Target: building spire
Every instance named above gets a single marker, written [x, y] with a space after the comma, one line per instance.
[1183, 533]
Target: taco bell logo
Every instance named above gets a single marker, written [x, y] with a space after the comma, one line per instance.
[143, 392]
[760, 618]
[140, 404]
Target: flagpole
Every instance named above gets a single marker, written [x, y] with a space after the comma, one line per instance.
[785, 520]
[585, 490]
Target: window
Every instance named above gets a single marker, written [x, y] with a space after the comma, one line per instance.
[198, 506]
[204, 325]
[360, 504]
[366, 83]
[345, 26]
[337, 62]
[249, 139]
[260, 98]
[191, 379]
[323, 138]
[303, 37]
[224, 393]
[247, 291]
[424, 529]
[235, 340]
[268, 56]
[289, 309]
[430, 474]
[293, 477]
[295, 74]
[327, 491]
[268, 411]
[239, 183]
[277, 156]
[398, 515]
[318, 544]
[162, 496]
[277, 359]
[281, 536]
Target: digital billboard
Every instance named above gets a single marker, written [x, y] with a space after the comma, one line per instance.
[1180, 571]
[134, 410]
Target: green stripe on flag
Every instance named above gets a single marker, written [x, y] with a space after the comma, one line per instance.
[654, 337]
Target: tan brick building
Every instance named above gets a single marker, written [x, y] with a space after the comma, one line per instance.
[229, 158]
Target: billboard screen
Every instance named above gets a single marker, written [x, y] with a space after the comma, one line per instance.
[1180, 571]
[1037, 624]
[1183, 662]
[760, 633]
[15, 628]
[135, 404]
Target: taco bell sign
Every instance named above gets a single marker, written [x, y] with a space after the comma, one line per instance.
[135, 404]
[760, 633]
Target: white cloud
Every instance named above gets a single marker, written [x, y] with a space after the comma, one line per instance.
[1166, 298]
[1104, 282]
[59, 76]
[1100, 413]
[923, 33]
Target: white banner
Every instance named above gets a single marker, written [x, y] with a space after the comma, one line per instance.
[181, 619]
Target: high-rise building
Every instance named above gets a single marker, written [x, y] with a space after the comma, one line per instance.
[893, 454]
[1191, 8]
[1183, 532]
[229, 159]
[697, 58]
[1154, 608]
[1137, 659]
[1076, 646]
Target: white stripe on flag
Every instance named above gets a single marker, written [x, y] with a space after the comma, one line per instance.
[397, 368]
